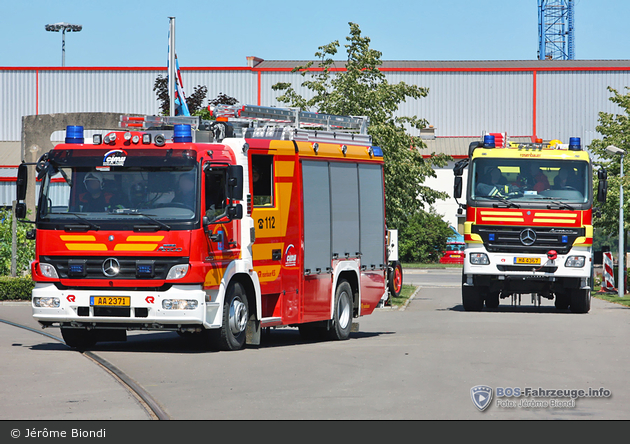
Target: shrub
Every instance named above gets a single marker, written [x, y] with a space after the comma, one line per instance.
[16, 288]
[423, 239]
[25, 247]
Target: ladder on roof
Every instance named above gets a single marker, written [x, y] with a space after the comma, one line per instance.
[291, 116]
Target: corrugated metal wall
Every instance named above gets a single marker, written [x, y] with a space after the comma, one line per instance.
[460, 103]
[569, 102]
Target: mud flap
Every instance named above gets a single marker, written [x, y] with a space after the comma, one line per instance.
[252, 333]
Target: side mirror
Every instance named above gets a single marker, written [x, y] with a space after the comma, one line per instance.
[235, 212]
[457, 188]
[235, 182]
[602, 189]
[22, 182]
[20, 210]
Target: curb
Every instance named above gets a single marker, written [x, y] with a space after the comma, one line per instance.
[410, 298]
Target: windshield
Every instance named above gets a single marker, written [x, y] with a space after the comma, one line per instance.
[516, 181]
[151, 194]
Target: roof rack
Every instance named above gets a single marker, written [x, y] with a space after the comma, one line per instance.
[146, 122]
[291, 116]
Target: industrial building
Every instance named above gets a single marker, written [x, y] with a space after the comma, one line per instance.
[547, 99]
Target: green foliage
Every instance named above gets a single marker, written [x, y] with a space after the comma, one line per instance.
[363, 90]
[194, 101]
[16, 288]
[615, 129]
[25, 247]
[423, 238]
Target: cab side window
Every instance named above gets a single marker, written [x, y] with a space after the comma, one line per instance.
[262, 180]
[215, 193]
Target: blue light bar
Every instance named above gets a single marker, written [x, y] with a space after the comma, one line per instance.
[74, 134]
[565, 239]
[182, 133]
[378, 151]
[491, 237]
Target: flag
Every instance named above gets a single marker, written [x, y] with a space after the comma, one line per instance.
[180, 98]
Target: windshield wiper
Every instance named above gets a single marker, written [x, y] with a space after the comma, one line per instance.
[560, 205]
[131, 212]
[90, 224]
[503, 200]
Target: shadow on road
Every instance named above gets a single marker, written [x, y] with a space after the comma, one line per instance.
[513, 309]
[171, 342]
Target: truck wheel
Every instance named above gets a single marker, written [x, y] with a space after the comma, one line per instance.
[562, 301]
[231, 335]
[395, 279]
[472, 299]
[78, 337]
[580, 300]
[492, 299]
[342, 315]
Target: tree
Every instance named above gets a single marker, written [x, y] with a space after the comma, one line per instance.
[362, 90]
[194, 101]
[615, 129]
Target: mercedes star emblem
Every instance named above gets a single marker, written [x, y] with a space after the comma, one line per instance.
[528, 236]
[111, 267]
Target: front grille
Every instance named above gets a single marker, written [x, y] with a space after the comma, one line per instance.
[128, 266]
[507, 239]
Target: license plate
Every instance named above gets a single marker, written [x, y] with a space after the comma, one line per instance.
[110, 301]
[456, 255]
[527, 260]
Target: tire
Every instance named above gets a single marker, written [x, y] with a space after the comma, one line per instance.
[79, 338]
[395, 280]
[472, 299]
[562, 301]
[341, 323]
[232, 334]
[492, 300]
[580, 301]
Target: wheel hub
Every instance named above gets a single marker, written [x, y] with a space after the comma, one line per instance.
[238, 316]
[344, 310]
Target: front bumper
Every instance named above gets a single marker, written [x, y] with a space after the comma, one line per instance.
[503, 267]
[145, 311]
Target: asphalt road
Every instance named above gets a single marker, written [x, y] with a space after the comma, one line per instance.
[417, 363]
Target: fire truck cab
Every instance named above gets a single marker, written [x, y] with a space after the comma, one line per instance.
[528, 223]
[216, 229]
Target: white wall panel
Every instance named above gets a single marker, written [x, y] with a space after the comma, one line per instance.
[17, 98]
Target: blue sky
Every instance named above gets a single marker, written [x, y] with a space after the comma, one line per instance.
[214, 33]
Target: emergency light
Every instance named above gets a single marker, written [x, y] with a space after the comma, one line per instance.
[74, 134]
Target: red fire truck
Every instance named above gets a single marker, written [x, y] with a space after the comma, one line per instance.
[213, 228]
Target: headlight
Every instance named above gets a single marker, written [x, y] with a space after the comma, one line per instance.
[46, 302]
[48, 270]
[177, 272]
[575, 261]
[179, 304]
[479, 258]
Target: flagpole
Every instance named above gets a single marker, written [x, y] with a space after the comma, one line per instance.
[171, 66]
